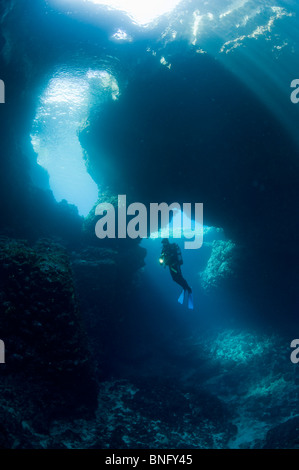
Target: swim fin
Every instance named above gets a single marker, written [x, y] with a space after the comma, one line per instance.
[190, 301]
[181, 298]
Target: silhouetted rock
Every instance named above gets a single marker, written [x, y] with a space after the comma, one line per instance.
[284, 436]
[48, 366]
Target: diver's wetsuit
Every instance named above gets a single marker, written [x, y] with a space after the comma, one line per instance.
[171, 254]
[177, 276]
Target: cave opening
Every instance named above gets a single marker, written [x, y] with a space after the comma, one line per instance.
[142, 13]
[63, 109]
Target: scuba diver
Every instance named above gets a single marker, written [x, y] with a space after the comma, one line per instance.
[171, 256]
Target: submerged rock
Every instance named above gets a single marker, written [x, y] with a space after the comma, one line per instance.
[284, 436]
[221, 265]
[48, 367]
[105, 281]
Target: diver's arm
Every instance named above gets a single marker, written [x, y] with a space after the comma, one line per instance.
[162, 259]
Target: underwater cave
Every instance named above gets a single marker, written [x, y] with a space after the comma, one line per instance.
[173, 101]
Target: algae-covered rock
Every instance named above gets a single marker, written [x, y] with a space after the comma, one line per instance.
[40, 320]
[221, 264]
[41, 327]
[160, 413]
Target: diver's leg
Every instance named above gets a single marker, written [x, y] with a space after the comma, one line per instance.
[178, 278]
[183, 281]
